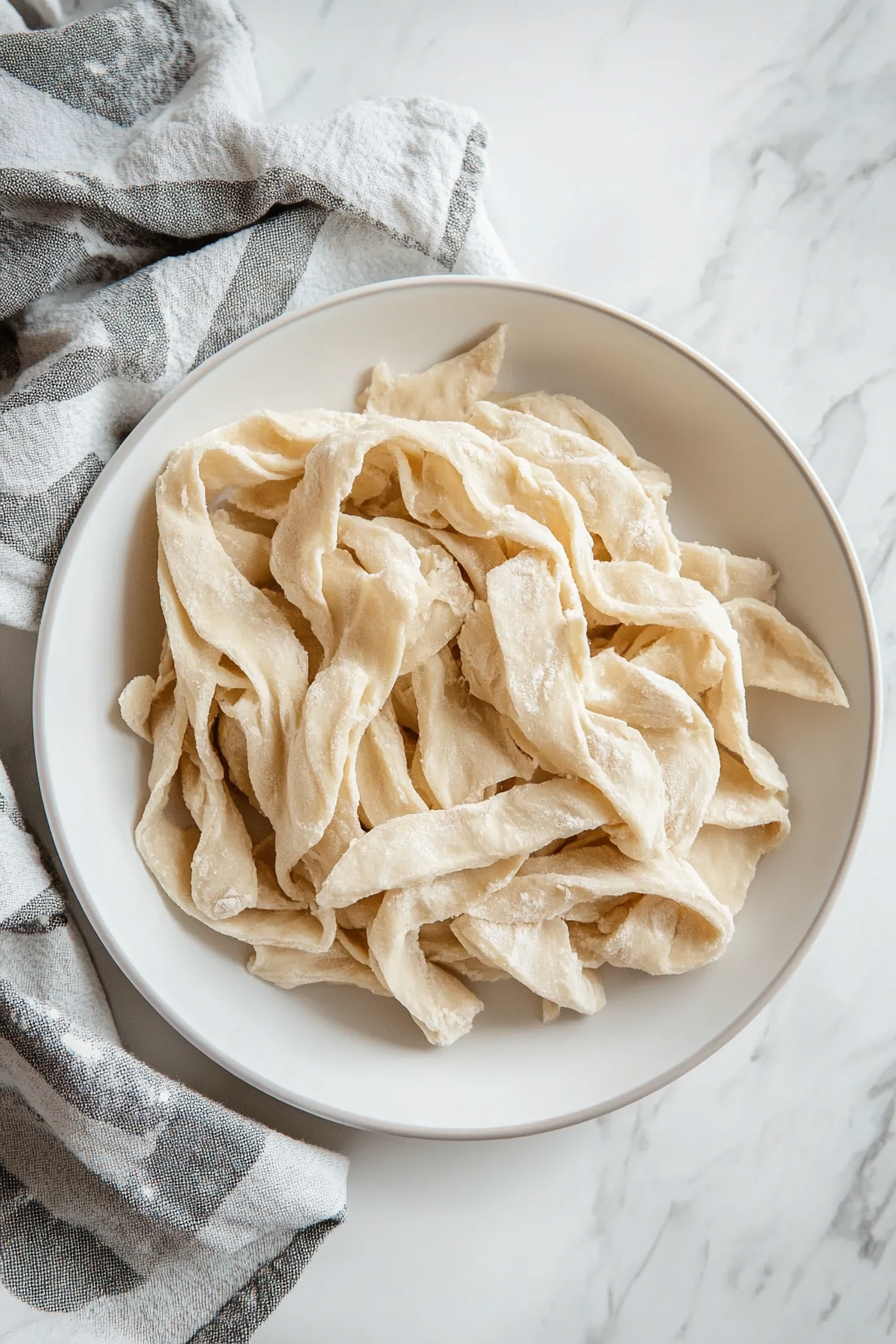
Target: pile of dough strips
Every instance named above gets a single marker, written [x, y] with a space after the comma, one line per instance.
[448, 701]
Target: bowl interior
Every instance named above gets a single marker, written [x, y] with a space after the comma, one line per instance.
[341, 1052]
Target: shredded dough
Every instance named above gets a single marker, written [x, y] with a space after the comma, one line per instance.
[446, 700]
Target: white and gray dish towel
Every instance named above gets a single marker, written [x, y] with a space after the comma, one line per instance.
[149, 215]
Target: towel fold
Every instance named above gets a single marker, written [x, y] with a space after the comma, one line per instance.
[148, 217]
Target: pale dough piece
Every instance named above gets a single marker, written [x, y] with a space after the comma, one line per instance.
[682, 926]
[677, 731]
[421, 783]
[301, 628]
[289, 967]
[643, 935]
[539, 955]
[241, 518]
[232, 745]
[354, 941]
[277, 435]
[357, 677]
[135, 703]
[445, 391]
[439, 944]
[168, 851]
[689, 657]
[740, 802]
[613, 502]
[212, 611]
[563, 412]
[634, 593]
[340, 833]
[571, 413]
[441, 1006]
[725, 575]
[441, 617]
[141, 693]
[404, 703]
[249, 551]
[546, 661]
[779, 656]
[727, 859]
[384, 783]
[482, 661]
[196, 661]
[587, 941]
[161, 844]
[305, 555]
[268, 499]
[270, 897]
[444, 597]
[409, 850]
[475, 555]
[464, 744]
[451, 474]
[223, 879]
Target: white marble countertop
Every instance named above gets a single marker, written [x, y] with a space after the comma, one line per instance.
[728, 172]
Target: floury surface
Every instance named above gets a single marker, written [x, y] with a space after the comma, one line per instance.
[726, 172]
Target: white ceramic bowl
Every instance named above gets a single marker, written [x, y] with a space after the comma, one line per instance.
[737, 481]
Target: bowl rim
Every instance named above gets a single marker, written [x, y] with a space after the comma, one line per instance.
[120, 956]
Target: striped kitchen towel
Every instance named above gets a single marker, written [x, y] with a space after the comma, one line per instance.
[131, 1209]
[148, 216]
